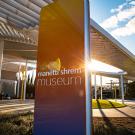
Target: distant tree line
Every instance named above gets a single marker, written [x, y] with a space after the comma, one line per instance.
[130, 93]
[30, 87]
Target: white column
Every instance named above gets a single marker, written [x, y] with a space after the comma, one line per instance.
[15, 84]
[87, 50]
[122, 88]
[1, 55]
[25, 81]
[101, 87]
[1, 60]
[95, 85]
[19, 76]
[115, 91]
[119, 87]
[111, 82]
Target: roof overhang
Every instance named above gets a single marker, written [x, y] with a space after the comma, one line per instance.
[107, 49]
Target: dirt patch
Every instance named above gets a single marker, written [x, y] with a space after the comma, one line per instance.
[22, 124]
[114, 126]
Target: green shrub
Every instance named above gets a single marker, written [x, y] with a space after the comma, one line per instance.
[16, 125]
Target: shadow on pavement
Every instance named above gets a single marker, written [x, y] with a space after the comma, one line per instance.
[107, 121]
[121, 111]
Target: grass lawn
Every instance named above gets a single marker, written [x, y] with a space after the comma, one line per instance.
[105, 104]
[22, 124]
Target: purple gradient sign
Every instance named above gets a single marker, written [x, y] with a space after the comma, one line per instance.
[60, 107]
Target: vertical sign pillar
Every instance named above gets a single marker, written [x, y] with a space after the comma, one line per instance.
[62, 102]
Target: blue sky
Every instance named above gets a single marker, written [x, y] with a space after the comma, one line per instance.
[118, 18]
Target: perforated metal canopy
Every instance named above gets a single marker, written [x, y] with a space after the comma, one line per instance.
[22, 13]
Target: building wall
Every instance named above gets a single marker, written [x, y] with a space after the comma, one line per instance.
[8, 75]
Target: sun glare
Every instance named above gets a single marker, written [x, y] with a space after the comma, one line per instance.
[95, 65]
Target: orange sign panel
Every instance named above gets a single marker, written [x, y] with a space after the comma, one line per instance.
[60, 92]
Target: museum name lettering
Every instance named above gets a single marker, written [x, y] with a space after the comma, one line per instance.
[51, 78]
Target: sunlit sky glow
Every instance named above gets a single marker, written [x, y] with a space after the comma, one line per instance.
[118, 18]
[96, 65]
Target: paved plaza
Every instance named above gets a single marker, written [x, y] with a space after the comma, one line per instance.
[128, 111]
[16, 106]
[12, 106]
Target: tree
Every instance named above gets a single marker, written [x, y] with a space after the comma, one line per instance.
[130, 90]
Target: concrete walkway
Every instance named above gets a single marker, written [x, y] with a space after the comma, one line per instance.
[128, 111]
[16, 106]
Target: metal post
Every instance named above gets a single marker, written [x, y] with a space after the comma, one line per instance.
[19, 77]
[101, 87]
[115, 91]
[122, 88]
[119, 88]
[15, 84]
[1, 60]
[1, 55]
[95, 85]
[87, 74]
[25, 81]
[111, 83]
